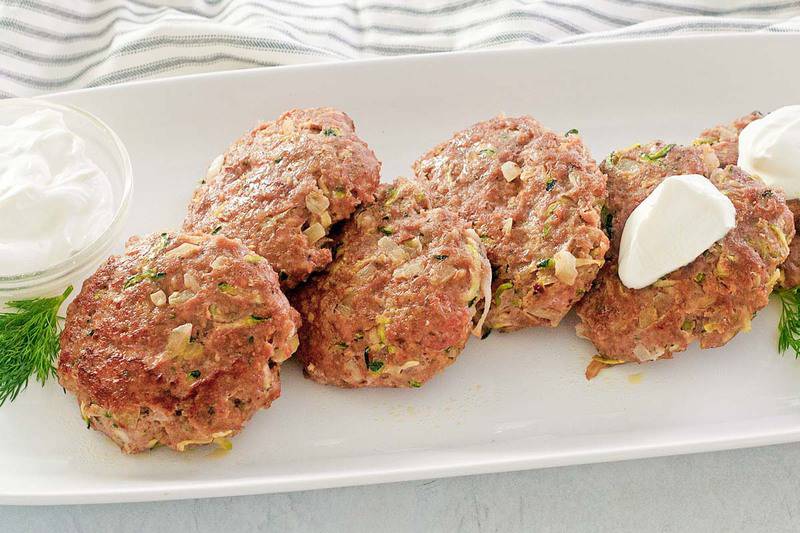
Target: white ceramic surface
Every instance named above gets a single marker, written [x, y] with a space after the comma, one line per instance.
[510, 402]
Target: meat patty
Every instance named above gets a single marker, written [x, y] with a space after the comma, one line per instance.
[724, 139]
[281, 187]
[534, 197]
[397, 304]
[177, 342]
[709, 300]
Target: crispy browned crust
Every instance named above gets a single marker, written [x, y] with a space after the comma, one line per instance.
[711, 299]
[114, 354]
[394, 308]
[554, 205]
[260, 192]
[724, 139]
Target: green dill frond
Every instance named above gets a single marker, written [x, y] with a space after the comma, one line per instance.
[29, 334]
[789, 323]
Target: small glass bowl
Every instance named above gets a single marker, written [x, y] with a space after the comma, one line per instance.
[105, 148]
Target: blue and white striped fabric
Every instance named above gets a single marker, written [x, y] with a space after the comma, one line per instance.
[56, 45]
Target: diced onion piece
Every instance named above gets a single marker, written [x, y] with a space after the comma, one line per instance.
[158, 298]
[507, 225]
[316, 202]
[294, 343]
[314, 232]
[367, 271]
[180, 297]
[413, 244]
[409, 364]
[184, 250]
[325, 219]
[566, 271]
[511, 170]
[179, 343]
[392, 249]
[408, 270]
[215, 167]
[191, 282]
[219, 262]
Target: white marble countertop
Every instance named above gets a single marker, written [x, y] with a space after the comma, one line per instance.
[743, 490]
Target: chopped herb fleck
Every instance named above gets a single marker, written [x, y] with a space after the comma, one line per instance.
[658, 154]
[699, 277]
[607, 221]
[339, 193]
[216, 230]
[386, 230]
[226, 288]
[545, 263]
[391, 196]
[375, 366]
[277, 160]
[549, 185]
[194, 374]
[488, 152]
[503, 287]
[440, 257]
[331, 132]
[573, 131]
[145, 274]
[414, 383]
[366, 356]
[342, 345]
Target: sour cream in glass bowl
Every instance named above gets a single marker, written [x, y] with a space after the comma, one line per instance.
[65, 189]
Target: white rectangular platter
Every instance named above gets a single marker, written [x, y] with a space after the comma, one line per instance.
[510, 402]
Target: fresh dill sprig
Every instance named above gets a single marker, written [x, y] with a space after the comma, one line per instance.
[29, 334]
[789, 323]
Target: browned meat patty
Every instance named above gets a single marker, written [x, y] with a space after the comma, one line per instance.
[176, 342]
[534, 197]
[724, 139]
[397, 304]
[281, 187]
[709, 300]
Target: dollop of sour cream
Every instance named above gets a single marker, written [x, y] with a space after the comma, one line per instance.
[678, 221]
[770, 148]
[54, 200]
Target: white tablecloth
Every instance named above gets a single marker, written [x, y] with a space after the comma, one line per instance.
[57, 45]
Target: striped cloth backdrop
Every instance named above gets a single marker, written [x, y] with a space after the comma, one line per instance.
[58, 45]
